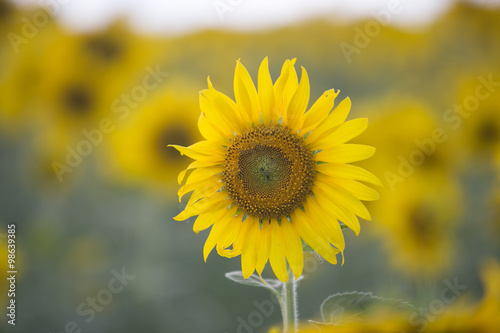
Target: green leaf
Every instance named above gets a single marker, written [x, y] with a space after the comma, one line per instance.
[352, 306]
[273, 285]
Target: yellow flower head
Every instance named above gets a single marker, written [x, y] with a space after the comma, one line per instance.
[477, 121]
[416, 223]
[467, 316]
[271, 172]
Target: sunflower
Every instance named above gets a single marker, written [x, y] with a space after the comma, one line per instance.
[417, 223]
[481, 316]
[478, 122]
[404, 132]
[138, 149]
[78, 89]
[80, 75]
[269, 174]
[21, 65]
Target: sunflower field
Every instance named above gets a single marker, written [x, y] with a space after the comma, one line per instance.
[339, 176]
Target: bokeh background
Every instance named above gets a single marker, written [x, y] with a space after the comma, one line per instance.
[87, 111]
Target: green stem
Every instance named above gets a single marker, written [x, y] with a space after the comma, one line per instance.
[289, 309]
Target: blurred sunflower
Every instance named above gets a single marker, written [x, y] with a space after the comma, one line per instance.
[409, 142]
[20, 67]
[416, 223]
[108, 53]
[270, 174]
[10, 17]
[71, 112]
[416, 160]
[18, 80]
[85, 74]
[139, 149]
[86, 79]
[474, 317]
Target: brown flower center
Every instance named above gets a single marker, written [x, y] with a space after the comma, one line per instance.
[268, 171]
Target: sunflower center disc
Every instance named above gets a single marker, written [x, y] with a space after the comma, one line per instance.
[268, 171]
[264, 167]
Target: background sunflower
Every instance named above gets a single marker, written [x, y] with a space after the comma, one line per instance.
[139, 150]
[61, 76]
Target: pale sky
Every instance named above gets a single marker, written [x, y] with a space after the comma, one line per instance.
[184, 16]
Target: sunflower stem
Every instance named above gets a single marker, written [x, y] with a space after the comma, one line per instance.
[290, 310]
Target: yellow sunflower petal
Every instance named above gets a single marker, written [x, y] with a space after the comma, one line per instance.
[348, 171]
[341, 134]
[344, 215]
[227, 252]
[246, 95]
[202, 150]
[202, 206]
[293, 245]
[204, 221]
[277, 253]
[342, 197]
[326, 223]
[319, 111]
[242, 236]
[280, 85]
[345, 153]
[291, 86]
[202, 184]
[266, 93]
[227, 240]
[208, 130]
[360, 191]
[215, 116]
[204, 191]
[312, 238]
[193, 165]
[298, 104]
[339, 114]
[201, 174]
[264, 247]
[328, 226]
[200, 179]
[226, 107]
[218, 229]
[335, 118]
[249, 251]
